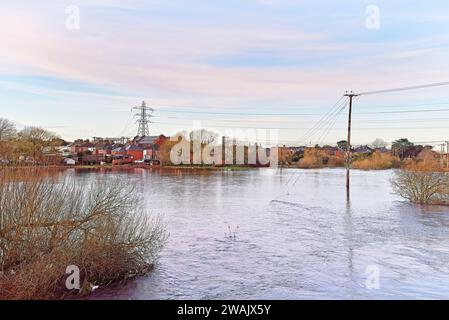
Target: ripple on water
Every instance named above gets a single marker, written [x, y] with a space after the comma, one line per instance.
[296, 237]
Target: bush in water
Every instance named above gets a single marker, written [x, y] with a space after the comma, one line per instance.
[47, 224]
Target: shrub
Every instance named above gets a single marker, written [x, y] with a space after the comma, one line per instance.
[334, 161]
[422, 187]
[47, 225]
[376, 161]
[318, 158]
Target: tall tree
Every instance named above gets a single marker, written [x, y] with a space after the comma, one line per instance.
[343, 145]
[400, 146]
[37, 134]
[35, 139]
[379, 143]
[7, 129]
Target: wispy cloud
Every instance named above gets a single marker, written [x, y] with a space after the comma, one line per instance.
[177, 52]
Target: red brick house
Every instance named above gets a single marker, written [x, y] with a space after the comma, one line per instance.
[151, 146]
[118, 151]
[81, 146]
[148, 142]
[135, 151]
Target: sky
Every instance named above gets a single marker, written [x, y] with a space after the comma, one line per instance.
[266, 64]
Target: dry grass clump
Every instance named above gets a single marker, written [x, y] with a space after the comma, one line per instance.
[431, 165]
[316, 158]
[47, 224]
[377, 161]
[334, 161]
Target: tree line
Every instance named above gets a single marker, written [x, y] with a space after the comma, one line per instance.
[31, 145]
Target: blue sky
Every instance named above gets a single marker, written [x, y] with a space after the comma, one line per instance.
[249, 63]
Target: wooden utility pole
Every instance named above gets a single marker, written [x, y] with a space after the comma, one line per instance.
[442, 154]
[351, 95]
[447, 154]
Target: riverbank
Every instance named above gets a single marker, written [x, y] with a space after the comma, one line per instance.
[135, 166]
[60, 238]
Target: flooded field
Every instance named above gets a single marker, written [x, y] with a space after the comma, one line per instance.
[266, 234]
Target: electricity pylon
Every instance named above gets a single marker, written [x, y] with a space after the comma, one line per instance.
[143, 113]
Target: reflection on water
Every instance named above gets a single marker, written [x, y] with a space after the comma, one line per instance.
[296, 237]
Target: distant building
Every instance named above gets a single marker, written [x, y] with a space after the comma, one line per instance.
[150, 146]
[428, 155]
[362, 149]
[69, 161]
[118, 151]
[135, 151]
[80, 146]
[381, 150]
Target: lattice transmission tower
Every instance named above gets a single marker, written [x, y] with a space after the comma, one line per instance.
[143, 115]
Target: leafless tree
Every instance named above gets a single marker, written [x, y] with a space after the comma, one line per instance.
[34, 134]
[422, 187]
[7, 129]
[47, 224]
[379, 143]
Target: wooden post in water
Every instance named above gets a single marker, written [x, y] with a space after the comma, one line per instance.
[351, 95]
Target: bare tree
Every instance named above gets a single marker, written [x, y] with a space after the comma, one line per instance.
[35, 134]
[7, 129]
[379, 143]
[47, 224]
[422, 187]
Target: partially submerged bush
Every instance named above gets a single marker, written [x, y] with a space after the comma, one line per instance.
[422, 187]
[47, 225]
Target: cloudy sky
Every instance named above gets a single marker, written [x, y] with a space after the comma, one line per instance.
[250, 64]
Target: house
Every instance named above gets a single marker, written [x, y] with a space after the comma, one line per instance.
[92, 159]
[135, 151]
[363, 149]
[69, 161]
[103, 149]
[381, 150]
[82, 146]
[151, 146]
[118, 151]
[427, 155]
[298, 149]
[64, 151]
[412, 152]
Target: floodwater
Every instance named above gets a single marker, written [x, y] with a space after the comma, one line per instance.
[295, 237]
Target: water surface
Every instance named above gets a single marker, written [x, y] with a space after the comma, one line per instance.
[295, 237]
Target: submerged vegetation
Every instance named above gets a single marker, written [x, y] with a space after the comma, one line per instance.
[422, 187]
[47, 225]
[422, 183]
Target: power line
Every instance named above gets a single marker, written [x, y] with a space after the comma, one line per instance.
[307, 121]
[328, 130]
[182, 108]
[430, 85]
[323, 114]
[403, 111]
[405, 105]
[325, 118]
[325, 127]
[125, 128]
